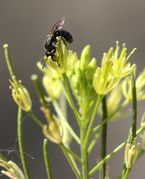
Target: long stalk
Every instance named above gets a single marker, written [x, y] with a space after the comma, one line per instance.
[92, 119]
[126, 171]
[35, 119]
[8, 60]
[84, 154]
[76, 157]
[46, 159]
[70, 99]
[134, 108]
[20, 143]
[104, 136]
[71, 162]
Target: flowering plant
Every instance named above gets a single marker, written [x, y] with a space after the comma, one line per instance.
[89, 89]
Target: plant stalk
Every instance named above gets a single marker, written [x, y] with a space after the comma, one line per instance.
[84, 154]
[134, 107]
[46, 159]
[71, 162]
[104, 136]
[21, 144]
[70, 99]
[8, 60]
[92, 120]
[35, 119]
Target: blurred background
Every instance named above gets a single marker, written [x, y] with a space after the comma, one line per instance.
[24, 26]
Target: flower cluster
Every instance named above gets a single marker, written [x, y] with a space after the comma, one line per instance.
[84, 85]
[113, 68]
[81, 80]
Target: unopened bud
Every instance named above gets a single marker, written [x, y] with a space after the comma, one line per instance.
[20, 95]
[131, 154]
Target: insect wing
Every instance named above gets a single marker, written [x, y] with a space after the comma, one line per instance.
[58, 25]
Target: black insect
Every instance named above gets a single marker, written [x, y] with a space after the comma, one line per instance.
[50, 43]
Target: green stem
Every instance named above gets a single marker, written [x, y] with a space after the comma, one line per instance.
[134, 108]
[70, 152]
[109, 156]
[21, 144]
[70, 99]
[127, 172]
[104, 136]
[84, 154]
[92, 119]
[46, 159]
[71, 162]
[93, 143]
[8, 60]
[35, 119]
[59, 113]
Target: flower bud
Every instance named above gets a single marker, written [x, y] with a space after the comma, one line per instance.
[131, 154]
[93, 63]
[85, 57]
[20, 95]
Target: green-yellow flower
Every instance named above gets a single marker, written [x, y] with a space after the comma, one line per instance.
[104, 81]
[114, 66]
[121, 66]
[20, 95]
